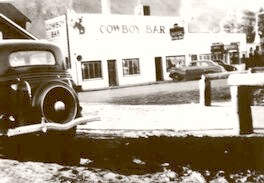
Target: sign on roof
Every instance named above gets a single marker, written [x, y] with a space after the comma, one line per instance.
[177, 32]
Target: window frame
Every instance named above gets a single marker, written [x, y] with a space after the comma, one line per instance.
[205, 57]
[89, 72]
[127, 69]
[175, 61]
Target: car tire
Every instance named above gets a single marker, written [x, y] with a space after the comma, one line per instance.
[50, 94]
[177, 77]
[57, 102]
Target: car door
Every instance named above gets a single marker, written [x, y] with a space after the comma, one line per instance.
[195, 70]
[203, 68]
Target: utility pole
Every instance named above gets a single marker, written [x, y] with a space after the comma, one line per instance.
[106, 6]
[259, 29]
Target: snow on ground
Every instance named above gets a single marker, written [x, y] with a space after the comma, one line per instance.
[177, 117]
[185, 117]
[31, 172]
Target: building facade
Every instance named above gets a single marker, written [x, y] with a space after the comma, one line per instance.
[119, 50]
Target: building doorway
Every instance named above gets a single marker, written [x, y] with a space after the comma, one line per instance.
[159, 70]
[112, 72]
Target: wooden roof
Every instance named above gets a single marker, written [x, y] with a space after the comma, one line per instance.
[13, 13]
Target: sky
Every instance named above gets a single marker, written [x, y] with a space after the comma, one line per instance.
[194, 7]
[253, 5]
[202, 15]
[210, 15]
[221, 4]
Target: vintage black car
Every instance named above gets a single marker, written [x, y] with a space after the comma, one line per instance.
[36, 91]
[195, 70]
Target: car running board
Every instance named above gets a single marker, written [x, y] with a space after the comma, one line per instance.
[45, 126]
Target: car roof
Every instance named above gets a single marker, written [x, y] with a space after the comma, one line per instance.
[202, 61]
[197, 61]
[9, 42]
[8, 46]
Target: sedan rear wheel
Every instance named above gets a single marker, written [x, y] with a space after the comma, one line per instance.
[58, 103]
[176, 77]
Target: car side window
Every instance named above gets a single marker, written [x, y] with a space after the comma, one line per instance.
[206, 64]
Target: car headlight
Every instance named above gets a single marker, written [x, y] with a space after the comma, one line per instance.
[14, 86]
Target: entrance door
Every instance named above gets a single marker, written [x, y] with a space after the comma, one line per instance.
[159, 71]
[112, 72]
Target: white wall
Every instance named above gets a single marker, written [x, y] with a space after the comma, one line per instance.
[117, 37]
[121, 37]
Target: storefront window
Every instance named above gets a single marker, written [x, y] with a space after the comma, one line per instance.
[205, 57]
[91, 70]
[175, 61]
[131, 66]
[217, 57]
[194, 57]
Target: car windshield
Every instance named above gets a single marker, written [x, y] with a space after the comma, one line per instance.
[30, 58]
[206, 64]
[219, 62]
[200, 63]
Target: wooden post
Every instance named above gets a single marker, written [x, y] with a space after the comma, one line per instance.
[205, 91]
[241, 100]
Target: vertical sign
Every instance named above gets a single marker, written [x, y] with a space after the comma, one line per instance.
[56, 32]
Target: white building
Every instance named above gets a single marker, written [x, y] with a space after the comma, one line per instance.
[106, 50]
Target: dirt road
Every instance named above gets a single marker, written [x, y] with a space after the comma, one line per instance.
[163, 90]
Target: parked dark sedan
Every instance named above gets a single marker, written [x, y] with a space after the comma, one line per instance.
[195, 70]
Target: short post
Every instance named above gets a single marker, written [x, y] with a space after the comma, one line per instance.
[241, 100]
[241, 92]
[205, 91]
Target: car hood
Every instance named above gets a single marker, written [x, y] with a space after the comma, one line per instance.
[184, 68]
[181, 70]
[230, 68]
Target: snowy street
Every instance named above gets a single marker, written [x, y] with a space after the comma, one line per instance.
[219, 119]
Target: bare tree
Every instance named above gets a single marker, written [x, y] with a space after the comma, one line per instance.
[244, 25]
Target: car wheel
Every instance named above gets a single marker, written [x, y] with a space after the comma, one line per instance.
[58, 103]
[177, 77]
